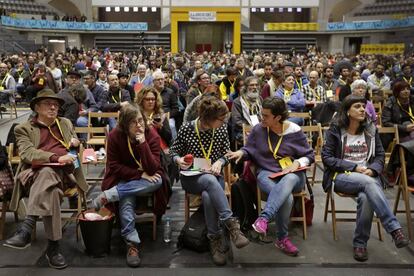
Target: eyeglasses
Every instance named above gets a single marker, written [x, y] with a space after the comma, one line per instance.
[50, 104]
[138, 121]
[159, 79]
[149, 99]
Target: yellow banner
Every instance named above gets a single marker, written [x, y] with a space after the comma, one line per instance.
[291, 26]
[384, 49]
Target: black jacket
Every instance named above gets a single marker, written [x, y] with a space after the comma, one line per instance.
[169, 102]
[332, 154]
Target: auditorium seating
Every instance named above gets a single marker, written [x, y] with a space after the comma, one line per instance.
[387, 7]
[26, 7]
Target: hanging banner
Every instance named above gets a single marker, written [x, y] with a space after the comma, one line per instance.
[291, 26]
[383, 49]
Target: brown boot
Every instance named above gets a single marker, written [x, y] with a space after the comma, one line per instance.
[216, 249]
[132, 257]
[237, 236]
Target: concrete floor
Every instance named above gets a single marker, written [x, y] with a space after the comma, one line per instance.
[319, 254]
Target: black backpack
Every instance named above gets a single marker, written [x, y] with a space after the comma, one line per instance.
[194, 233]
[243, 204]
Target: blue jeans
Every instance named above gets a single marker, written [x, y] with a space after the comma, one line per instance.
[280, 199]
[371, 199]
[215, 204]
[296, 120]
[82, 121]
[126, 193]
[111, 123]
[173, 128]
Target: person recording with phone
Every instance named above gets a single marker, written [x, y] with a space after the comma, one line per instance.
[150, 102]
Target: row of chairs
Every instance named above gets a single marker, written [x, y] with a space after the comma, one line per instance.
[314, 135]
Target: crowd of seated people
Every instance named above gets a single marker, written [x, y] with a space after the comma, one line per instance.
[189, 103]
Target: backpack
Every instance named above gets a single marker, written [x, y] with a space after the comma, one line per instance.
[243, 204]
[193, 235]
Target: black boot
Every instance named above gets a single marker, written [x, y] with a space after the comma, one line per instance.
[54, 257]
[20, 240]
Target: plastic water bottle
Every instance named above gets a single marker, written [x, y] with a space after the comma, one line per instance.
[167, 230]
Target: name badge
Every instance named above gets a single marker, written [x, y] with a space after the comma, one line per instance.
[254, 119]
[329, 93]
[202, 164]
[1, 88]
[285, 162]
[41, 81]
[20, 81]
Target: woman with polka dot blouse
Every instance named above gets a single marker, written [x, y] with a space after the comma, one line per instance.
[206, 139]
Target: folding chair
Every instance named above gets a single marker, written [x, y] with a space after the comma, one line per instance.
[301, 218]
[310, 132]
[404, 190]
[306, 116]
[228, 181]
[330, 200]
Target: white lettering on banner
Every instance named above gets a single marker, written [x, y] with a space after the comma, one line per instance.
[202, 16]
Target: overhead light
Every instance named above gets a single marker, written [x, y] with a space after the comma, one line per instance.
[135, 9]
[126, 9]
[144, 9]
[299, 9]
[272, 9]
[117, 9]
[262, 9]
[280, 9]
[290, 10]
[108, 9]
[154, 9]
[253, 9]
[57, 41]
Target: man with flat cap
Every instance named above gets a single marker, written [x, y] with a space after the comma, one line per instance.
[49, 164]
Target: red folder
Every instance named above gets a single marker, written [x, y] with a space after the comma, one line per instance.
[276, 175]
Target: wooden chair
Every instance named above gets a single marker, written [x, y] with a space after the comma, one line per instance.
[378, 111]
[13, 156]
[73, 212]
[306, 116]
[309, 131]
[330, 200]
[98, 115]
[148, 209]
[229, 179]
[246, 131]
[302, 218]
[404, 190]
[5, 201]
[396, 139]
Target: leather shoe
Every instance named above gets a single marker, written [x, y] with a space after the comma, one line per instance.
[54, 257]
[360, 254]
[399, 238]
[20, 240]
[132, 258]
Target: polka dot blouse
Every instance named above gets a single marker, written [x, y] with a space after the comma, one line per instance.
[187, 142]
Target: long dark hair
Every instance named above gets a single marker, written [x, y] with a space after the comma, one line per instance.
[342, 118]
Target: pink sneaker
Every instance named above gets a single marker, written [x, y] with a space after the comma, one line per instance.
[287, 247]
[260, 225]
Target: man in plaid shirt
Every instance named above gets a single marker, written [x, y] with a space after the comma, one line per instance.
[314, 93]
